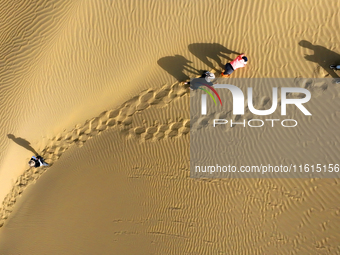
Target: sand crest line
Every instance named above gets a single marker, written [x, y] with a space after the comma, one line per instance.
[121, 118]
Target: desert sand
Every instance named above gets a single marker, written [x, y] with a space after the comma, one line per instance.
[95, 87]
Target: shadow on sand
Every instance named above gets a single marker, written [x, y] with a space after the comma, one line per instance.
[322, 56]
[176, 65]
[22, 142]
[214, 51]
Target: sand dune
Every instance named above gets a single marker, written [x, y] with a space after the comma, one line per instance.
[136, 195]
[122, 118]
[94, 87]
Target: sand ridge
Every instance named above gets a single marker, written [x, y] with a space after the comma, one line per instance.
[82, 54]
[122, 118]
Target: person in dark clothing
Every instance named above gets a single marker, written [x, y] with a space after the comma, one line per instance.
[206, 78]
[37, 161]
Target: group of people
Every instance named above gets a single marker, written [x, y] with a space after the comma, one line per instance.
[237, 63]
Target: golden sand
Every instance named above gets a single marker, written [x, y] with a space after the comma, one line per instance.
[93, 86]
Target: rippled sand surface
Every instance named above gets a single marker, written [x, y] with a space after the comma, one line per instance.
[94, 87]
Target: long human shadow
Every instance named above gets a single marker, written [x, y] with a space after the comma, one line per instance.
[214, 51]
[22, 142]
[176, 65]
[322, 56]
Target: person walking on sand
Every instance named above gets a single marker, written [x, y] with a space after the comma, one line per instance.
[206, 78]
[37, 162]
[237, 63]
[209, 77]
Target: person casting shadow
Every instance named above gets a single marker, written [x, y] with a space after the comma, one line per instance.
[175, 66]
[22, 142]
[323, 56]
[214, 51]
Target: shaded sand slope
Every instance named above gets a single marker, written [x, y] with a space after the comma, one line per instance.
[122, 194]
[70, 61]
[124, 118]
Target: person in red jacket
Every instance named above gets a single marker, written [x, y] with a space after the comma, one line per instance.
[238, 62]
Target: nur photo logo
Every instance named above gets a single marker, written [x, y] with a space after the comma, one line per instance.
[238, 108]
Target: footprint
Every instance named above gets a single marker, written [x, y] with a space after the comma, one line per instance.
[127, 121]
[237, 117]
[110, 122]
[139, 130]
[122, 117]
[184, 130]
[142, 106]
[113, 113]
[163, 128]
[171, 133]
[186, 123]
[175, 126]
[158, 136]
[151, 130]
[161, 94]
[146, 136]
[144, 97]
[307, 83]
